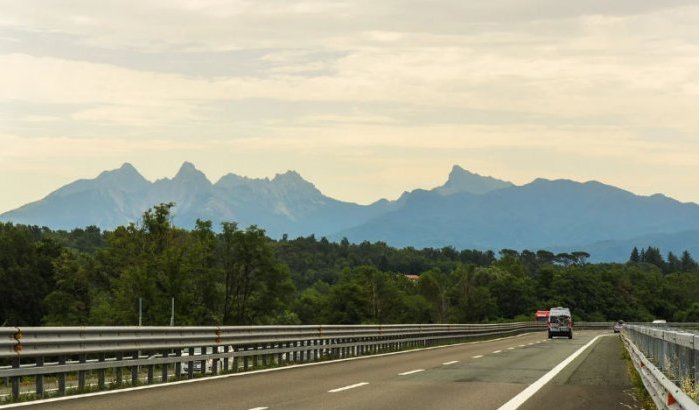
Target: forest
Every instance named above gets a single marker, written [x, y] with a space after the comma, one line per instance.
[230, 275]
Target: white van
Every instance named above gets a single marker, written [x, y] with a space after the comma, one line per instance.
[560, 322]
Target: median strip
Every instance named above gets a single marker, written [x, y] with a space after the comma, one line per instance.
[347, 387]
[411, 372]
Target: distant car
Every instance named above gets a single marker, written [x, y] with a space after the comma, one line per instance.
[560, 323]
[618, 326]
[660, 321]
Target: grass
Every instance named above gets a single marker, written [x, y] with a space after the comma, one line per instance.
[691, 387]
[639, 390]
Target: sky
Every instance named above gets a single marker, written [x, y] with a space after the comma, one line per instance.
[364, 98]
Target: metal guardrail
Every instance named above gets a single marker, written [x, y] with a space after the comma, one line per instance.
[95, 357]
[98, 357]
[663, 358]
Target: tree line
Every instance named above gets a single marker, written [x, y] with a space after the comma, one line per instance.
[239, 276]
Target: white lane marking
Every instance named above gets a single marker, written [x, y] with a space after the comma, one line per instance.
[477, 357]
[510, 348]
[530, 344]
[452, 362]
[347, 387]
[411, 372]
[521, 346]
[260, 408]
[245, 374]
[525, 394]
[497, 351]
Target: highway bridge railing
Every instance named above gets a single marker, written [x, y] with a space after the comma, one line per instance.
[667, 359]
[39, 361]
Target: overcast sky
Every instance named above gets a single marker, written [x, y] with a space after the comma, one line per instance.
[363, 98]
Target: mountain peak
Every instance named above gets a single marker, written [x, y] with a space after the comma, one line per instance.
[292, 180]
[126, 177]
[461, 180]
[188, 172]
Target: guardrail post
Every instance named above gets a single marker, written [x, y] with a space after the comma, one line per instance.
[178, 365]
[226, 360]
[235, 359]
[61, 377]
[100, 372]
[163, 368]
[134, 370]
[190, 364]
[694, 359]
[40, 378]
[203, 362]
[81, 373]
[151, 371]
[119, 371]
[15, 379]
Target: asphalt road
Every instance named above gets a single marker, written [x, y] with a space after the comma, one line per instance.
[480, 376]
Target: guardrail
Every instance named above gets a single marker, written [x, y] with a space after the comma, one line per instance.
[664, 358]
[77, 359]
[96, 357]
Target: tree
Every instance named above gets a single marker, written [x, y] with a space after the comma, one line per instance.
[687, 263]
[673, 263]
[635, 256]
[654, 257]
[256, 286]
[433, 286]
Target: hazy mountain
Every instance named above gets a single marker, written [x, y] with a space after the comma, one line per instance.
[468, 211]
[461, 180]
[541, 214]
[620, 250]
[113, 198]
[285, 204]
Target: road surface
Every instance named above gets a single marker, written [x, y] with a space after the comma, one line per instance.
[478, 376]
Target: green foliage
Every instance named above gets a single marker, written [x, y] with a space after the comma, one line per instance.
[241, 277]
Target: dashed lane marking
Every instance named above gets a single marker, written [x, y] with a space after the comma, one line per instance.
[411, 372]
[352, 386]
[525, 394]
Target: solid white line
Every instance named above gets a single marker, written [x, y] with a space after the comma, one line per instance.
[452, 362]
[347, 387]
[525, 394]
[477, 357]
[497, 351]
[411, 372]
[248, 373]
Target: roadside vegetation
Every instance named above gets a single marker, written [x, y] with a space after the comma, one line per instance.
[639, 390]
[230, 275]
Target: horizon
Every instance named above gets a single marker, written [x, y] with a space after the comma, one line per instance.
[365, 100]
[267, 178]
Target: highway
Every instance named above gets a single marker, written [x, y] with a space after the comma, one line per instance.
[479, 375]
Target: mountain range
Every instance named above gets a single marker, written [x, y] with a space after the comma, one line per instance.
[468, 211]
